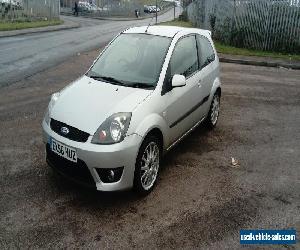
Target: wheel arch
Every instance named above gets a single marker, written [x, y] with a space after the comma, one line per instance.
[153, 124]
[216, 88]
[158, 134]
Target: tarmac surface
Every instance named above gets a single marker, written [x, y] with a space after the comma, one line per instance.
[25, 55]
[201, 200]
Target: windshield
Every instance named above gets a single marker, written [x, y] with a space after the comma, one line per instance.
[133, 60]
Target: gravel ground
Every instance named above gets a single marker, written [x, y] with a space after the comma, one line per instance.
[201, 200]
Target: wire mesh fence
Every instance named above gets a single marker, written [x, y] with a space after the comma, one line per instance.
[259, 24]
[107, 8]
[24, 10]
[101, 8]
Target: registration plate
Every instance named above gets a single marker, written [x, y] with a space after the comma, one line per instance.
[63, 150]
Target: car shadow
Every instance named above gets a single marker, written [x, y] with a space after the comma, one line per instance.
[88, 195]
[196, 142]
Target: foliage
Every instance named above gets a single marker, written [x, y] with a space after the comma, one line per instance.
[179, 23]
[183, 16]
[260, 25]
[227, 49]
[275, 34]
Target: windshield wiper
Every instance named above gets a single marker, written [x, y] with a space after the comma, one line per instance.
[107, 79]
[119, 82]
[141, 85]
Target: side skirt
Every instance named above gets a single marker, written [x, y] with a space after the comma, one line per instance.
[185, 134]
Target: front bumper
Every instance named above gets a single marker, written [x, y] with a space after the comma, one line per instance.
[92, 157]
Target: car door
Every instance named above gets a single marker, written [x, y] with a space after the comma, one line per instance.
[207, 69]
[182, 103]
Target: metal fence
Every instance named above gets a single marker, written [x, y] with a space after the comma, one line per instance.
[260, 24]
[102, 7]
[23, 10]
[108, 8]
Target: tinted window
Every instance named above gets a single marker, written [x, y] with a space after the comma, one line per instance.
[205, 50]
[184, 60]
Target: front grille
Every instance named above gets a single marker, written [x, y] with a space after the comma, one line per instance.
[74, 133]
[77, 172]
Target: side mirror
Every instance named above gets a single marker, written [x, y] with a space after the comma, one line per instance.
[178, 81]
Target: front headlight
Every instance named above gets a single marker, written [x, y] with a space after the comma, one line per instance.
[53, 100]
[113, 129]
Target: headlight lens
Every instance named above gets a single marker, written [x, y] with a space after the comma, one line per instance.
[53, 100]
[113, 129]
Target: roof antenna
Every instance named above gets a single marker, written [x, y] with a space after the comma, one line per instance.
[149, 24]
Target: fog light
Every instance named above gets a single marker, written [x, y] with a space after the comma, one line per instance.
[110, 175]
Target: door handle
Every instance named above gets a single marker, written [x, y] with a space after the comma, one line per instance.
[200, 83]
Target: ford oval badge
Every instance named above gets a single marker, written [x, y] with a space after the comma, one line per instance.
[64, 130]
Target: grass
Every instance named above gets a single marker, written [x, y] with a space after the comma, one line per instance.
[226, 49]
[179, 23]
[6, 26]
[152, 2]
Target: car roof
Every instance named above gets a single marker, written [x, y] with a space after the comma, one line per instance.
[168, 31]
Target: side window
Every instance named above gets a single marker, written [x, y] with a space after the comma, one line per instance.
[184, 60]
[205, 51]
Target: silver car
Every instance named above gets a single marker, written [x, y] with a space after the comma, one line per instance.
[146, 91]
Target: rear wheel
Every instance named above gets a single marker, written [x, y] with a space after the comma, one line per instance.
[147, 165]
[214, 110]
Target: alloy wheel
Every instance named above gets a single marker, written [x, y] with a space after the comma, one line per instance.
[215, 110]
[149, 165]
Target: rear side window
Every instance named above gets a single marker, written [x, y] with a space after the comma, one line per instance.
[205, 51]
[184, 60]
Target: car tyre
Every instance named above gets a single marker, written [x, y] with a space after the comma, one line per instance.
[214, 111]
[147, 165]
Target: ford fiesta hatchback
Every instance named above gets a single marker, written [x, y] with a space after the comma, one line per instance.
[147, 90]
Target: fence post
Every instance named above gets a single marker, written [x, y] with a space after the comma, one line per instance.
[50, 10]
[174, 10]
[233, 22]
[10, 8]
[156, 13]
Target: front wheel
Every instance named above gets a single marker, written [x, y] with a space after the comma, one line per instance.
[214, 110]
[147, 165]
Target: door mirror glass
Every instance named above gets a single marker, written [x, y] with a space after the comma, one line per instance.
[178, 81]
